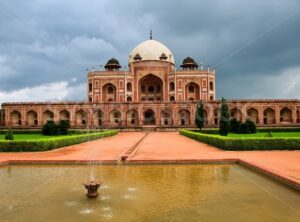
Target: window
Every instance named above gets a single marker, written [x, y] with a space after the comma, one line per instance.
[90, 87]
[129, 99]
[158, 88]
[129, 87]
[211, 86]
[110, 89]
[143, 88]
[151, 89]
[191, 89]
[172, 98]
[172, 86]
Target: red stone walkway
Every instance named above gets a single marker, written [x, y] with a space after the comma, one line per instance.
[165, 147]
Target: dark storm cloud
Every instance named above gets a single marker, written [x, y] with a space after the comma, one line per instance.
[52, 41]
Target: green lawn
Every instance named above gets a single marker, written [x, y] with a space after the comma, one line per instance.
[31, 137]
[259, 135]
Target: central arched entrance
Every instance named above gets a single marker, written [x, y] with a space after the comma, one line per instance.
[149, 117]
[150, 88]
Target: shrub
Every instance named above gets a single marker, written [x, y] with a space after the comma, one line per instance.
[9, 135]
[50, 129]
[244, 128]
[251, 126]
[53, 143]
[269, 134]
[234, 126]
[199, 119]
[245, 143]
[224, 119]
[64, 126]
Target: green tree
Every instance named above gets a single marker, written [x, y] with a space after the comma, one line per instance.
[9, 135]
[199, 119]
[224, 119]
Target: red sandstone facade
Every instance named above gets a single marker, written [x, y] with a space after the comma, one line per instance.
[151, 92]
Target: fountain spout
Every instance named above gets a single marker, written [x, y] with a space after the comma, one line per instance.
[92, 188]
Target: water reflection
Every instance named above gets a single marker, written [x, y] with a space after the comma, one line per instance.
[140, 193]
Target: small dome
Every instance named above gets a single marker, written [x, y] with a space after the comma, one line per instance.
[189, 62]
[163, 56]
[151, 50]
[137, 57]
[112, 64]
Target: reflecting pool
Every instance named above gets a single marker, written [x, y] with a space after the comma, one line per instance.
[206, 192]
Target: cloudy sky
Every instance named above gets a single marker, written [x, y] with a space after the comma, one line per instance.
[47, 45]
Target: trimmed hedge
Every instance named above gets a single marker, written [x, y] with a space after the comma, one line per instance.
[39, 131]
[258, 130]
[245, 143]
[17, 131]
[49, 144]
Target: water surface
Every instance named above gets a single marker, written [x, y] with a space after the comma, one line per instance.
[144, 193]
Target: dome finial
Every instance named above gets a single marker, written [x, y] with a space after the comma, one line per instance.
[150, 34]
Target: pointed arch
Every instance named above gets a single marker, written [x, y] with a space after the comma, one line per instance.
[80, 118]
[48, 116]
[129, 87]
[166, 117]
[32, 118]
[115, 117]
[192, 91]
[132, 118]
[184, 117]
[252, 114]
[15, 118]
[286, 116]
[98, 118]
[172, 86]
[150, 88]
[269, 116]
[109, 93]
[64, 115]
[236, 113]
[149, 117]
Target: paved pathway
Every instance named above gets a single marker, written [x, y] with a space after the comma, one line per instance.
[108, 149]
[165, 147]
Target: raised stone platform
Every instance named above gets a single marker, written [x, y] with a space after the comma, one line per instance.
[164, 147]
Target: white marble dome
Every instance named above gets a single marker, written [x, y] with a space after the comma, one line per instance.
[150, 50]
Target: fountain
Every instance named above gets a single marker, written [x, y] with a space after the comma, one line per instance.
[92, 185]
[92, 188]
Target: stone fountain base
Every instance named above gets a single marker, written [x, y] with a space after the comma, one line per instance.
[92, 188]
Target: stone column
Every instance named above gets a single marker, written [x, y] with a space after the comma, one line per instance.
[277, 115]
[261, 115]
[294, 114]
[56, 115]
